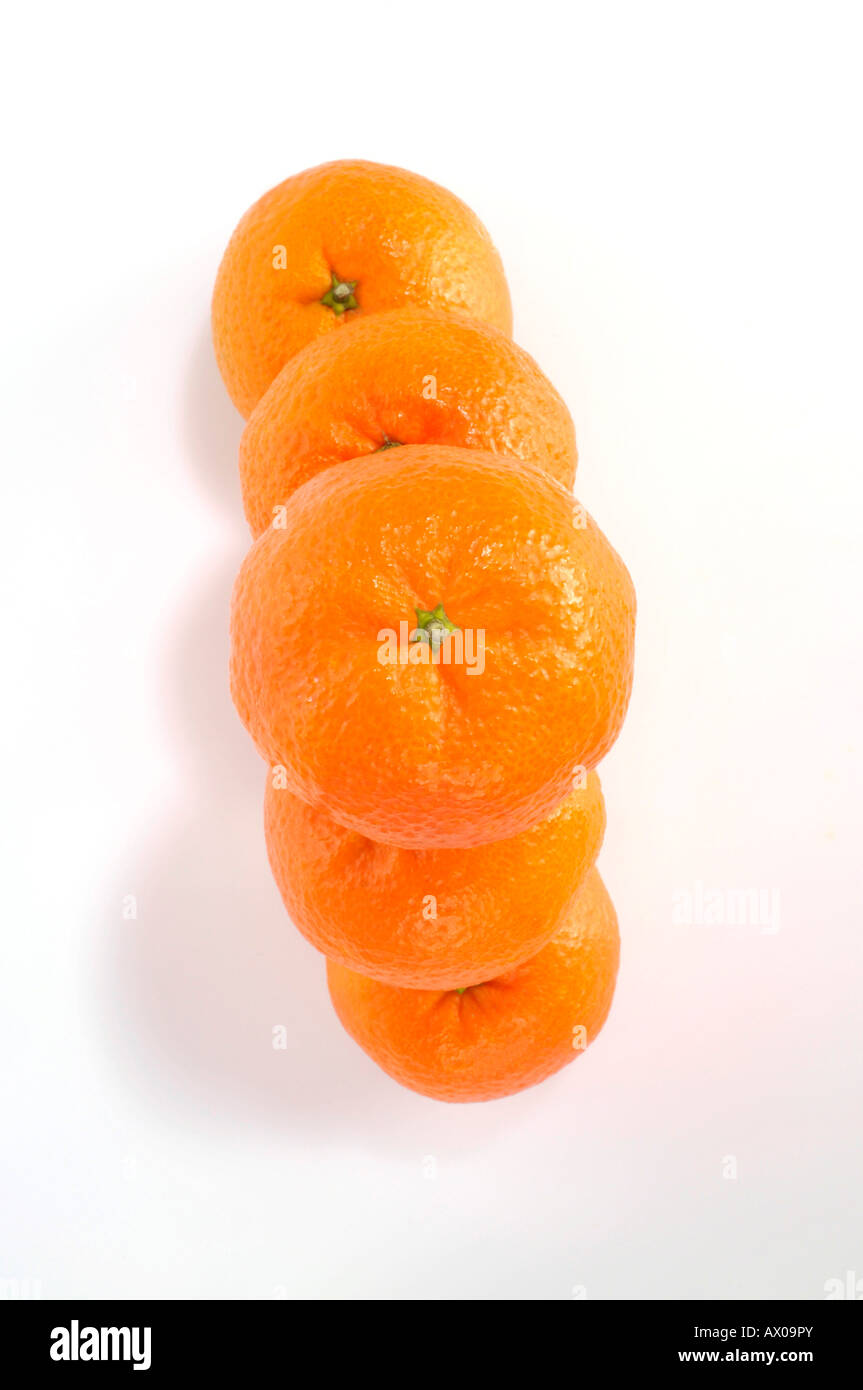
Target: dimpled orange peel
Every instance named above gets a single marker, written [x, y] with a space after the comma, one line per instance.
[413, 376]
[489, 1040]
[435, 918]
[334, 244]
[533, 683]
[431, 640]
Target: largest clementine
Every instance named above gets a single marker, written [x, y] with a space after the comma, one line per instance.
[338, 242]
[432, 645]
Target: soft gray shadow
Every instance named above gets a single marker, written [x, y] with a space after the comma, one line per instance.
[195, 986]
[213, 965]
[211, 428]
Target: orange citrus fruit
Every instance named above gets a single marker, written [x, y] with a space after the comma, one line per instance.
[333, 244]
[413, 376]
[433, 645]
[432, 919]
[491, 1039]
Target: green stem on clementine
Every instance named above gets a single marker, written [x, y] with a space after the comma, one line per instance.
[340, 296]
[433, 625]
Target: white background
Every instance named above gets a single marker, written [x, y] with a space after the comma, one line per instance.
[675, 191]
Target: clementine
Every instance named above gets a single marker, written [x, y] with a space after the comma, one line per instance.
[412, 376]
[337, 242]
[432, 645]
[490, 1040]
[430, 919]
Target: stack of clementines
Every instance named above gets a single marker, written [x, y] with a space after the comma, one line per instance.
[432, 642]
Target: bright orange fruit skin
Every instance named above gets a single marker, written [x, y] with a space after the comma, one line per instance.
[430, 919]
[499, 1037]
[395, 237]
[413, 376]
[425, 755]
